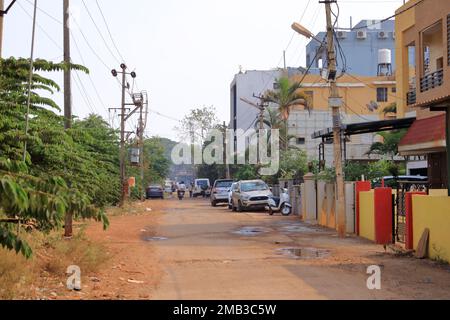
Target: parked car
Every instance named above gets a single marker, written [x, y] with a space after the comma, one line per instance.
[219, 192]
[391, 181]
[201, 188]
[168, 187]
[230, 193]
[155, 191]
[252, 194]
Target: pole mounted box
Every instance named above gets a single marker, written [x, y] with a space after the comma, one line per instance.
[335, 102]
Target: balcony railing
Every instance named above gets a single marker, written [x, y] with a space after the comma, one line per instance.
[432, 80]
[411, 97]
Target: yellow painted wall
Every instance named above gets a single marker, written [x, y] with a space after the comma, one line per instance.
[356, 91]
[433, 213]
[403, 21]
[438, 192]
[367, 215]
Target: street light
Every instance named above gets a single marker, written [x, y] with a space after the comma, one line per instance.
[297, 27]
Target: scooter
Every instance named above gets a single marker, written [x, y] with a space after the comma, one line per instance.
[280, 204]
[181, 194]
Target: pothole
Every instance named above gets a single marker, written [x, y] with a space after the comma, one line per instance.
[305, 253]
[155, 238]
[251, 231]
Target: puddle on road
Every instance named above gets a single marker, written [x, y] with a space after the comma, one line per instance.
[304, 253]
[155, 238]
[251, 231]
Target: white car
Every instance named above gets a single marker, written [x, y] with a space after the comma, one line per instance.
[230, 193]
[250, 194]
[201, 188]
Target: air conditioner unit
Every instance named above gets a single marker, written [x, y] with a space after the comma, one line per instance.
[341, 34]
[361, 35]
[382, 35]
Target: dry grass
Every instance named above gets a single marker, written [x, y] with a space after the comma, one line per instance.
[22, 279]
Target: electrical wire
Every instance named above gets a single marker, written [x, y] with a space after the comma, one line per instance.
[89, 74]
[99, 32]
[109, 31]
[385, 19]
[40, 28]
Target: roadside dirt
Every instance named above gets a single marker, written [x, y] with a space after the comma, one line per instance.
[189, 250]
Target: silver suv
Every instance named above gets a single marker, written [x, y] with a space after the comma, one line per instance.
[219, 193]
[248, 194]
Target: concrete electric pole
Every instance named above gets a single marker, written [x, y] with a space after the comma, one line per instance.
[2, 7]
[335, 103]
[3, 11]
[68, 231]
[123, 118]
[67, 72]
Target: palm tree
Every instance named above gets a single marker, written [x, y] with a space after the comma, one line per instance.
[389, 146]
[273, 120]
[391, 108]
[286, 97]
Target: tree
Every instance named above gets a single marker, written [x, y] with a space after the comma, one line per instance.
[286, 97]
[391, 108]
[273, 120]
[64, 171]
[196, 124]
[389, 146]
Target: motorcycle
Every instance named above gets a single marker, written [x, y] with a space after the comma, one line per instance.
[181, 194]
[280, 204]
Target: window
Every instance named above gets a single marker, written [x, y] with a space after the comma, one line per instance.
[309, 98]
[301, 141]
[382, 94]
[276, 86]
[394, 90]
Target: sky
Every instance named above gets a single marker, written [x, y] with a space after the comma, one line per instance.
[185, 53]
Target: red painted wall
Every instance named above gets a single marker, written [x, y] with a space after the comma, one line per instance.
[360, 186]
[383, 215]
[409, 219]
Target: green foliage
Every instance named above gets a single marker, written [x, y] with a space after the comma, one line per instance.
[377, 169]
[197, 123]
[286, 97]
[389, 146]
[156, 165]
[73, 171]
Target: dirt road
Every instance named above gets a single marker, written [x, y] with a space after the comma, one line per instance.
[189, 250]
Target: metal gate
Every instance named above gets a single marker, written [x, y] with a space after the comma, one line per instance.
[399, 205]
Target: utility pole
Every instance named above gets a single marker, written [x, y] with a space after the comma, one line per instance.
[335, 103]
[2, 13]
[2, 6]
[123, 119]
[30, 81]
[142, 125]
[67, 72]
[67, 97]
[123, 193]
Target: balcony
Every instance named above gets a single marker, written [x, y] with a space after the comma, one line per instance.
[411, 97]
[432, 80]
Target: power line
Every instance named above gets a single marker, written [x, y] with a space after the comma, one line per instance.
[46, 13]
[99, 32]
[383, 20]
[89, 75]
[40, 28]
[109, 31]
[82, 91]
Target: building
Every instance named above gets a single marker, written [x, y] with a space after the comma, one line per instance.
[364, 99]
[246, 85]
[360, 45]
[423, 83]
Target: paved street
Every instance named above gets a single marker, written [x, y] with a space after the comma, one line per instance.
[205, 257]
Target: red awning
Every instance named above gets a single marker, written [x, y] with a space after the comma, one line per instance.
[425, 136]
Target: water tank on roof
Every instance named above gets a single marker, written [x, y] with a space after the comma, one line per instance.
[384, 56]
